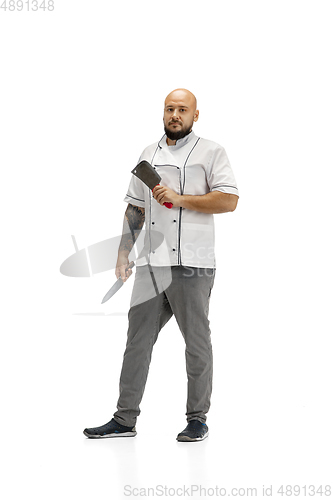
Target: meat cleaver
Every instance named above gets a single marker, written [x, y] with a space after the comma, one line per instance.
[147, 174]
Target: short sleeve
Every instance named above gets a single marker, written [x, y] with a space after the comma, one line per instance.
[135, 193]
[220, 177]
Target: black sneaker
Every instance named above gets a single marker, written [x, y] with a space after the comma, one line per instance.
[111, 429]
[194, 431]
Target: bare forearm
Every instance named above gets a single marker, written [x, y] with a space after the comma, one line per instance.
[214, 202]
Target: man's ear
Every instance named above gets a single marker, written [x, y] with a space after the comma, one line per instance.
[196, 116]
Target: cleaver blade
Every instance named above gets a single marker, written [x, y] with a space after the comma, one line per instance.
[147, 174]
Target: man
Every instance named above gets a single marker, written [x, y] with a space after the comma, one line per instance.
[178, 276]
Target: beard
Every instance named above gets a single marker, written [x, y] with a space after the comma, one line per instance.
[175, 136]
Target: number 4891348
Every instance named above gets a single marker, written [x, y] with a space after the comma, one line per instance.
[28, 5]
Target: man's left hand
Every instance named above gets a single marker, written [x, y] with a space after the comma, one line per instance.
[163, 194]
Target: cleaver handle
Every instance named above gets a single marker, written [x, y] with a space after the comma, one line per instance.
[166, 204]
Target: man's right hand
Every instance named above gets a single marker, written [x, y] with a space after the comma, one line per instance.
[122, 264]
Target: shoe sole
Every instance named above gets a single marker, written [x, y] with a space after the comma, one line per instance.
[115, 435]
[187, 439]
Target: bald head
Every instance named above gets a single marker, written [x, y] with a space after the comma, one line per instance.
[180, 111]
[182, 94]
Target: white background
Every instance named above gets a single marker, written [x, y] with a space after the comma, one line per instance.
[82, 92]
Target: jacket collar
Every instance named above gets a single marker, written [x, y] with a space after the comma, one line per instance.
[180, 143]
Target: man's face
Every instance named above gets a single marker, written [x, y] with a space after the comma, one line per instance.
[179, 115]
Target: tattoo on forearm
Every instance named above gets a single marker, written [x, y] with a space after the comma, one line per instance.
[135, 218]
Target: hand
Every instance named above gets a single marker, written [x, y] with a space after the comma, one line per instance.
[163, 194]
[122, 264]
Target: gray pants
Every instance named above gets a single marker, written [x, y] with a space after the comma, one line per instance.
[187, 297]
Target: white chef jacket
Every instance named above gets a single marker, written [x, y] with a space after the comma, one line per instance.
[194, 166]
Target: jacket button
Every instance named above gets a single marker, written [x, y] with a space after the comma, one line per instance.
[174, 249]
[174, 221]
[153, 222]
